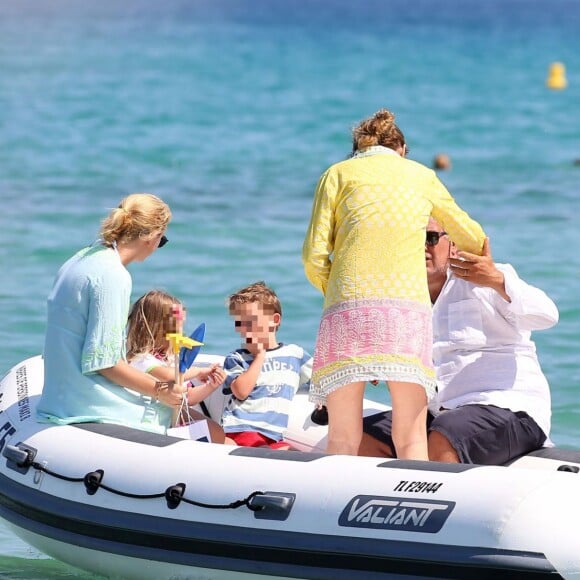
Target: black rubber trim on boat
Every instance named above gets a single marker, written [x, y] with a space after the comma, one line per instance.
[427, 465]
[282, 455]
[567, 455]
[129, 434]
[159, 440]
[243, 548]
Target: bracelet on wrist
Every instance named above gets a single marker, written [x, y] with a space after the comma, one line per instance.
[162, 385]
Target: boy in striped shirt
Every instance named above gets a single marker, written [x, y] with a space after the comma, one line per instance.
[263, 375]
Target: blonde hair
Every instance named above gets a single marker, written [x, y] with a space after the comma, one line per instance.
[380, 129]
[150, 319]
[257, 292]
[139, 216]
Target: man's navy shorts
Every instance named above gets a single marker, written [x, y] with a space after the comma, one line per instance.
[481, 434]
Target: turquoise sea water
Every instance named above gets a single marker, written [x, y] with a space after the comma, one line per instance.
[230, 110]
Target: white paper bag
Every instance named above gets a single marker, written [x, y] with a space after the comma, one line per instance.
[197, 431]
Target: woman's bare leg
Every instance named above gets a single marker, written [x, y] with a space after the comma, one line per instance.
[345, 411]
[409, 419]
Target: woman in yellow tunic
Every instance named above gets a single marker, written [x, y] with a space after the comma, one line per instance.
[365, 251]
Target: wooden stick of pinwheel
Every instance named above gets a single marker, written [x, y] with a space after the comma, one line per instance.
[178, 341]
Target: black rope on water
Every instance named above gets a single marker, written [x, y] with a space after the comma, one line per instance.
[173, 494]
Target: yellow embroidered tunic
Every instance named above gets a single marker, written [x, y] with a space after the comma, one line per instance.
[365, 251]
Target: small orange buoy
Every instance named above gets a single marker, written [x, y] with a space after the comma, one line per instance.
[557, 76]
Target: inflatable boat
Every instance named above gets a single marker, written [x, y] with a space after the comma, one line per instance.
[129, 504]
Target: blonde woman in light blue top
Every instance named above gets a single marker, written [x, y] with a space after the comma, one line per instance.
[87, 378]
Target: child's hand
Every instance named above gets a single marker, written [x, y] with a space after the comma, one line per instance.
[212, 376]
[261, 346]
[216, 378]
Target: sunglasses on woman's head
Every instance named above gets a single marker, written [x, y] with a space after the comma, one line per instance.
[432, 238]
[162, 241]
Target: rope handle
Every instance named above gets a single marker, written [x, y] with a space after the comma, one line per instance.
[93, 481]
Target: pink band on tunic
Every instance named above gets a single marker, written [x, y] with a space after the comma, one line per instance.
[375, 328]
[375, 339]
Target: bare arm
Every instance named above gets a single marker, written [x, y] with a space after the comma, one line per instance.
[213, 377]
[162, 373]
[125, 375]
[197, 394]
[243, 385]
[202, 374]
[212, 374]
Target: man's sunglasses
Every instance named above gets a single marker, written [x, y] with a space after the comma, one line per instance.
[162, 241]
[432, 238]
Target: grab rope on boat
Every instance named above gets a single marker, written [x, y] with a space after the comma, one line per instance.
[23, 457]
[173, 494]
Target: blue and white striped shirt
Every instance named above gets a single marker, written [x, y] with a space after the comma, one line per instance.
[286, 369]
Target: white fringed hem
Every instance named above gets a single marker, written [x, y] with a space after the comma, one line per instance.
[320, 389]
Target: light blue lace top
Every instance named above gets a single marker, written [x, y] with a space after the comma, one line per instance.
[87, 314]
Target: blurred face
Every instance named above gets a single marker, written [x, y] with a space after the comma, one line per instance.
[173, 320]
[178, 316]
[254, 325]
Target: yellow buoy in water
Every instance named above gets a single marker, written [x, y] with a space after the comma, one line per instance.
[557, 76]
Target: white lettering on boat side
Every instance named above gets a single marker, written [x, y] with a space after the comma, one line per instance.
[426, 516]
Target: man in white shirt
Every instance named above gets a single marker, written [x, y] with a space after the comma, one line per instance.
[493, 401]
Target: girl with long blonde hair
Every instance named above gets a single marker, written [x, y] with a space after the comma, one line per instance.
[152, 317]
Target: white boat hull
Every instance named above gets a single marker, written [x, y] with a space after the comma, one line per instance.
[126, 503]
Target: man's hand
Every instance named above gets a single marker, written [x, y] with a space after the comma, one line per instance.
[479, 270]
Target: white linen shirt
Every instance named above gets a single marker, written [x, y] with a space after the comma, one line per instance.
[482, 348]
